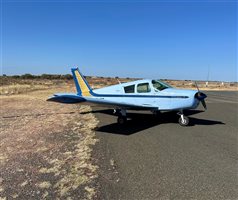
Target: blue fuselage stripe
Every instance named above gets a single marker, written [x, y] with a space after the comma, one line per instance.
[138, 96]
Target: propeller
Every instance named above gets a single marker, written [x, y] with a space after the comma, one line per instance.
[204, 104]
[201, 96]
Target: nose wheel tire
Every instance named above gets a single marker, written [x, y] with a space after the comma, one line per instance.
[183, 121]
[121, 120]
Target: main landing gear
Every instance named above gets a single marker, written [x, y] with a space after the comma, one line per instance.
[183, 120]
[122, 119]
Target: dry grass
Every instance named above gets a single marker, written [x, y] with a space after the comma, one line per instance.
[44, 185]
[19, 89]
[11, 86]
[45, 148]
[204, 85]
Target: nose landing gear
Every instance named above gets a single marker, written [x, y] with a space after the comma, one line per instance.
[183, 120]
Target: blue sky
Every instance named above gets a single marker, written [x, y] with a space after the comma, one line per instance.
[164, 39]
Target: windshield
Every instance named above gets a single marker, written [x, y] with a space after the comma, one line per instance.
[159, 85]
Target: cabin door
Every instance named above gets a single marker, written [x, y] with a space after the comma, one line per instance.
[144, 94]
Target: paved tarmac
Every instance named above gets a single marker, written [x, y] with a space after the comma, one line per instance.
[154, 158]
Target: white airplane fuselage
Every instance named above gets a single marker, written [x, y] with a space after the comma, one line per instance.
[167, 99]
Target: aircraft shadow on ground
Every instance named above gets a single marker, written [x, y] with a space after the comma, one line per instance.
[140, 121]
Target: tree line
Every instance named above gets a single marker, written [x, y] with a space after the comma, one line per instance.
[42, 76]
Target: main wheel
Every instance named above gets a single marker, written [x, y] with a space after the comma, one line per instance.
[121, 120]
[184, 121]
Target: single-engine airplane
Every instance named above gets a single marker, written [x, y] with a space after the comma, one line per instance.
[152, 95]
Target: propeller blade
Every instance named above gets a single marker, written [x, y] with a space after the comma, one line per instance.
[204, 104]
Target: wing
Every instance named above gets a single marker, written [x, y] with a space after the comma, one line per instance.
[68, 98]
[124, 105]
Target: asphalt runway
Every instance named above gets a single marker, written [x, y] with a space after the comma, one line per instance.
[154, 158]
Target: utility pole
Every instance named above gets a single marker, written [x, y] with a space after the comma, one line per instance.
[208, 74]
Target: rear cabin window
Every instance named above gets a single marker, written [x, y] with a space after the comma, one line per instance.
[143, 88]
[129, 89]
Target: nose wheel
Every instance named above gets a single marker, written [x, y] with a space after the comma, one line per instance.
[183, 120]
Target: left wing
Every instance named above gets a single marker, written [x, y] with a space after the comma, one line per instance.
[113, 104]
[68, 98]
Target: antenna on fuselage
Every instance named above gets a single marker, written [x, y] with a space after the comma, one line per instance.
[208, 75]
[118, 81]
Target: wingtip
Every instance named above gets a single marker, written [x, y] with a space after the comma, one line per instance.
[50, 98]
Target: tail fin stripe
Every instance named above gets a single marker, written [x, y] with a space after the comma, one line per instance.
[81, 84]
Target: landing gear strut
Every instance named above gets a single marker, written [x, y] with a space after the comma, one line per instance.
[156, 113]
[183, 120]
[122, 119]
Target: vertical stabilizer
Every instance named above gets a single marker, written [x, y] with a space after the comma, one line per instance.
[81, 84]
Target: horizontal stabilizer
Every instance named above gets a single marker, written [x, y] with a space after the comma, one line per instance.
[66, 98]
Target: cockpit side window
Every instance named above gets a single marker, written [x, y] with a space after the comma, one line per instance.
[143, 88]
[129, 89]
[159, 85]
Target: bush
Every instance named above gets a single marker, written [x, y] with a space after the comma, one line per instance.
[67, 76]
[27, 76]
[15, 76]
[46, 76]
